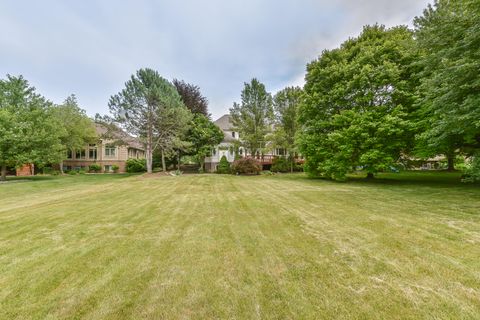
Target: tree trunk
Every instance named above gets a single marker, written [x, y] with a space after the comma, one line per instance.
[451, 162]
[370, 176]
[60, 166]
[3, 176]
[178, 160]
[149, 145]
[164, 167]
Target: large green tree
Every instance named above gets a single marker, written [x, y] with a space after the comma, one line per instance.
[150, 108]
[358, 104]
[448, 33]
[29, 131]
[253, 116]
[78, 128]
[286, 104]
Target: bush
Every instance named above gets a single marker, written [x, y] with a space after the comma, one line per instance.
[472, 173]
[223, 166]
[94, 168]
[136, 165]
[82, 171]
[246, 166]
[280, 164]
[72, 172]
[115, 168]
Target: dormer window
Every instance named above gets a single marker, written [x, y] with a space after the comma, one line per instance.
[233, 134]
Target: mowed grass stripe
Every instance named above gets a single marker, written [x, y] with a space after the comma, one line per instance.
[211, 246]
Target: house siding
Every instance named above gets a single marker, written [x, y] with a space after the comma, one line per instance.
[122, 154]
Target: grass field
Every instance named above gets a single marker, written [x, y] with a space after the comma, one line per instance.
[226, 247]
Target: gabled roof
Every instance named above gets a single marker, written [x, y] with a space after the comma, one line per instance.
[225, 122]
[119, 134]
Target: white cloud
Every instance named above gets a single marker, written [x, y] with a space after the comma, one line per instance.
[92, 47]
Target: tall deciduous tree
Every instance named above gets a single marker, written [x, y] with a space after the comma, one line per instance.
[449, 35]
[78, 128]
[150, 108]
[192, 97]
[358, 104]
[286, 105]
[253, 116]
[29, 132]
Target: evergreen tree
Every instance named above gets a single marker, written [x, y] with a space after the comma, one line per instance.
[150, 108]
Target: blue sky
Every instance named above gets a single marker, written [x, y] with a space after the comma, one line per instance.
[90, 48]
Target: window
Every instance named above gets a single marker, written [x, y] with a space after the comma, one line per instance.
[214, 152]
[92, 153]
[80, 154]
[69, 154]
[110, 151]
[107, 168]
[233, 134]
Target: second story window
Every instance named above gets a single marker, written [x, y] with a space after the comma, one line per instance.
[69, 154]
[110, 151]
[233, 134]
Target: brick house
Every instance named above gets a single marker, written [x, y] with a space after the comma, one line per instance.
[105, 152]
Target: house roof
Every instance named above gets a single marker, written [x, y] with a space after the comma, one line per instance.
[225, 122]
[119, 134]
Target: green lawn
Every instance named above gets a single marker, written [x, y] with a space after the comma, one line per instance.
[226, 247]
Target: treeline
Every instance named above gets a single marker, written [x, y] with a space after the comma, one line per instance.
[169, 118]
[385, 97]
[392, 94]
[34, 130]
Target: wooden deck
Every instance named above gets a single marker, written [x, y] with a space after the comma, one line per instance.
[268, 159]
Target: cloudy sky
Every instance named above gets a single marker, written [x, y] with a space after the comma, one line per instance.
[91, 47]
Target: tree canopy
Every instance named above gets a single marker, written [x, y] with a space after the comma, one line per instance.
[192, 97]
[78, 128]
[358, 101]
[286, 104]
[253, 116]
[29, 131]
[203, 135]
[150, 108]
[448, 33]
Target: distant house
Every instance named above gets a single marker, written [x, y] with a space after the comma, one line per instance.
[105, 152]
[231, 141]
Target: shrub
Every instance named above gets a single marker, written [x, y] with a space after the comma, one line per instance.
[115, 168]
[72, 172]
[82, 171]
[246, 166]
[94, 168]
[472, 173]
[136, 165]
[280, 164]
[223, 166]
